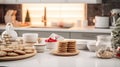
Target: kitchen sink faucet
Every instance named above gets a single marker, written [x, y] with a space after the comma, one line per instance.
[44, 18]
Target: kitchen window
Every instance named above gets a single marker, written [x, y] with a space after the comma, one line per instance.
[55, 12]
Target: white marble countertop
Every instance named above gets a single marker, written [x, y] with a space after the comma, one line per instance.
[84, 59]
[73, 29]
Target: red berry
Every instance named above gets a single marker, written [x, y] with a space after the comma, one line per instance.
[118, 55]
[51, 40]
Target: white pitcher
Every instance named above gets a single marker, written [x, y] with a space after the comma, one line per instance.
[10, 30]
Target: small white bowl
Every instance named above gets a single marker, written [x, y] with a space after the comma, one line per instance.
[40, 47]
[91, 45]
[82, 45]
[51, 45]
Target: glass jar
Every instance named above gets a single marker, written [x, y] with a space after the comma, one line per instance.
[103, 41]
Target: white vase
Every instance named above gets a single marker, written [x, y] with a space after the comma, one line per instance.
[10, 30]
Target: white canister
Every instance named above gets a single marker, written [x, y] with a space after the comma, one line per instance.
[30, 37]
[101, 22]
[10, 31]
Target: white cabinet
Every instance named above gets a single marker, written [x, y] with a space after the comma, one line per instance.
[86, 35]
[28, 1]
[10, 1]
[53, 1]
[84, 1]
[44, 34]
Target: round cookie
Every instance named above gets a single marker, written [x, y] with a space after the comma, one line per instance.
[8, 50]
[71, 50]
[2, 47]
[71, 43]
[62, 44]
[20, 52]
[12, 54]
[62, 50]
[3, 53]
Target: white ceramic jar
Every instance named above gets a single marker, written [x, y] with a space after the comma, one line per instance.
[10, 31]
[101, 22]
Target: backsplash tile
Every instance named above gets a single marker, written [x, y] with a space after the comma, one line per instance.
[92, 11]
[5, 7]
[1, 13]
[96, 9]
[110, 1]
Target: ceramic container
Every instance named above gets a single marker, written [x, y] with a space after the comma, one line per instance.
[91, 45]
[51, 45]
[40, 47]
[101, 22]
[30, 37]
[10, 31]
[82, 45]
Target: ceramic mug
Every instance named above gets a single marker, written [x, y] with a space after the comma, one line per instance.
[30, 37]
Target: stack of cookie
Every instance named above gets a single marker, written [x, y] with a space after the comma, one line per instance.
[71, 47]
[7, 39]
[62, 47]
[68, 46]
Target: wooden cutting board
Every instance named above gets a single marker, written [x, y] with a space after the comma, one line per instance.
[65, 54]
[8, 58]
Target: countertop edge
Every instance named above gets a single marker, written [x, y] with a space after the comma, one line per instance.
[73, 29]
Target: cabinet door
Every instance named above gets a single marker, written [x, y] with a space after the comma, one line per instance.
[44, 34]
[85, 35]
[85, 1]
[10, 1]
[28, 1]
[53, 1]
[48, 33]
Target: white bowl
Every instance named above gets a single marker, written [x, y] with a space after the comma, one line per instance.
[39, 47]
[82, 45]
[51, 45]
[91, 45]
[30, 37]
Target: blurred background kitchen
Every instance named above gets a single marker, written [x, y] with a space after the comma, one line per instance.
[96, 15]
